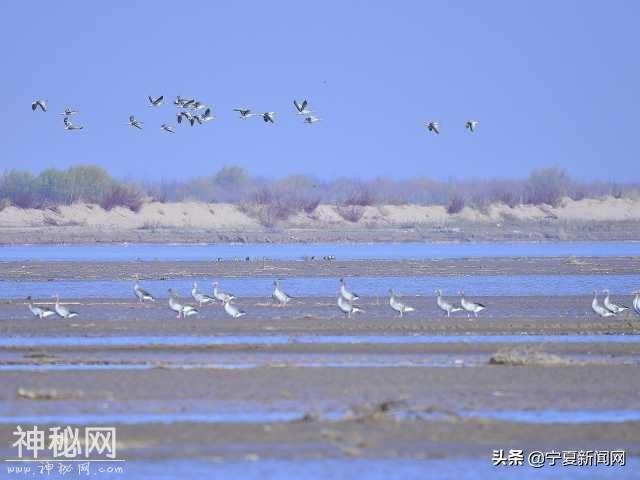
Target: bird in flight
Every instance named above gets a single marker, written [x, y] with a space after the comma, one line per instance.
[301, 107]
[245, 113]
[68, 112]
[135, 123]
[433, 127]
[268, 117]
[311, 119]
[167, 128]
[39, 103]
[471, 125]
[70, 126]
[155, 102]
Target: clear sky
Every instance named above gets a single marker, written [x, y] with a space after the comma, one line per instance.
[551, 82]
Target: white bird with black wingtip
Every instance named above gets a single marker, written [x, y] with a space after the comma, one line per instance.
[201, 298]
[397, 305]
[38, 311]
[232, 310]
[612, 307]
[599, 309]
[445, 306]
[141, 294]
[347, 307]
[221, 296]
[63, 311]
[346, 294]
[470, 307]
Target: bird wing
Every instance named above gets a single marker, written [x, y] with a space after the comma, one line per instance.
[304, 104]
[297, 105]
[34, 105]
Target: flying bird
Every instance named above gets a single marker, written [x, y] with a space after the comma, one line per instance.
[155, 102]
[471, 125]
[68, 112]
[39, 103]
[135, 123]
[301, 107]
[167, 128]
[70, 126]
[311, 119]
[245, 113]
[268, 117]
[433, 127]
[206, 116]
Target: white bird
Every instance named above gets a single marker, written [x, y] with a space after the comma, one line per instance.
[636, 302]
[470, 307]
[311, 119]
[445, 306]
[346, 294]
[179, 101]
[397, 305]
[347, 307]
[206, 116]
[184, 114]
[221, 296]
[246, 113]
[612, 307]
[196, 105]
[232, 310]
[167, 128]
[39, 103]
[302, 107]
[135, 123]
[599, 309]
[183, 310]
[40, 312]
[279, 295]
[63, 311]
[70, 126]
[201, 298]
[268, 117]
[141, 293]
[155, 102]
[471, 125]
[433, 127]
[68, 112]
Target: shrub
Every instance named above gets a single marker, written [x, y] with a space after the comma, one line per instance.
[351, 213]
[456, 204]
[122, 196]
[547, 185]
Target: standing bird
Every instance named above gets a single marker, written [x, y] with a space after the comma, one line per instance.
[182, 310]
[636, 302]
[141, 293]
[346, 294]
[279, 295]
[397, 305]
[40, 312]
[599, 309]
[471, 125]
[470, 307]
[301, 107]
[347, 307]
[68, 112]
[268, 117]
[155, 102]
[70, 126]
[433, 127]
[221, 296]
[135, 123]
[445, 306]
[245, 113]
[612, 307]
[232, 310]
[167, 128]
[201, 298]
[311, 119]
[39, 103]
[63, 311]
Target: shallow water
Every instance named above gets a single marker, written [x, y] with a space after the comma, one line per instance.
[146, 341]
[296, 251]
[574, 417]
[348, 469]
[491, 285]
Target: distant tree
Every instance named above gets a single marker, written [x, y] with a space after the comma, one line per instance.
[547, 185]
[18, 188]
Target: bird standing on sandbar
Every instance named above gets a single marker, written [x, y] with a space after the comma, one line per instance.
[397, 305]
[40, 312]
[279, 295]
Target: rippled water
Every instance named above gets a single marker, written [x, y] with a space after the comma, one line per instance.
[342, 251]
[492, 285]
[306, 339]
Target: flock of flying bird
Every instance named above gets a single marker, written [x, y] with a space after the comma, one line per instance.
[190, 110]
[194, 111]
[345, 303]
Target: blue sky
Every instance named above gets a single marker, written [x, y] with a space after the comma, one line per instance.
[551, 82]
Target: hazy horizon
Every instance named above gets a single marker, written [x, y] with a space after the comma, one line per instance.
[552, 84]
